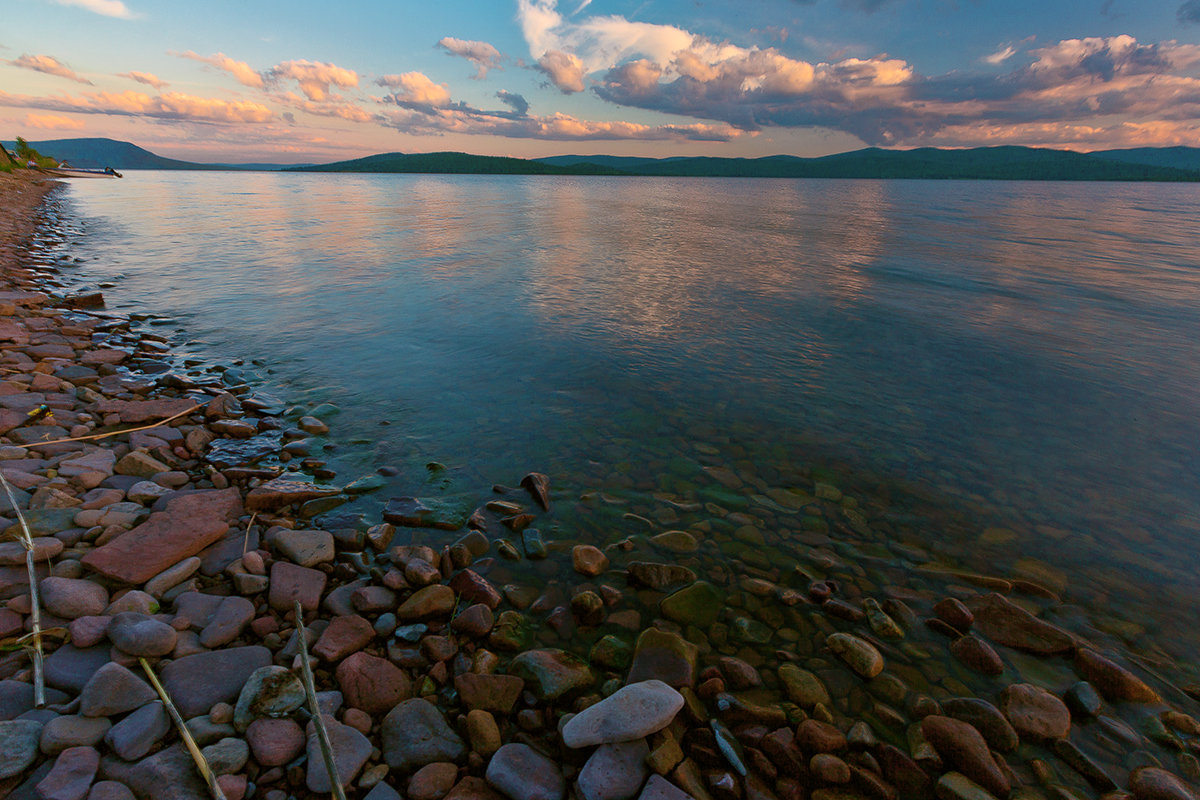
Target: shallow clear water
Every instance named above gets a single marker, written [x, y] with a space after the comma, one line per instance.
[1007, 371]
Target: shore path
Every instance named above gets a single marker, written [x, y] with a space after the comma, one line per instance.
[168, 533]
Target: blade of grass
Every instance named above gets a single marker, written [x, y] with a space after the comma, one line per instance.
[192, 747]
[310, 689]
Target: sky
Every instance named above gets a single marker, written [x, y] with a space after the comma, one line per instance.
[312, 81]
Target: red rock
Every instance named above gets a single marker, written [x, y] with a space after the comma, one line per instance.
[494, 693]
[471, 788]
[538, 486]
[952, 612]
[977, 654]
[132, 411]
[372, 684]
[290, 583]
[1112, 680]
[1035, 713]
[274, 742]
[964, 748]
[276, 494]
[344, 635]
[71, 776]
[1007, 623]
[190, 523]
[1152, 783]
[813, 736]
[474, 588]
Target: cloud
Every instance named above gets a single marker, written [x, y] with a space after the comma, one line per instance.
[53, 122]
[325, 108]
[1189, 12]
[240, 70]
[146, 78]
[50, 66]
[516, 102]
[483, 55]
[1000, 56]
[416, 89]
[314, 77]
[563, 69]
[106, 8]
[865, 6]
[169, 106]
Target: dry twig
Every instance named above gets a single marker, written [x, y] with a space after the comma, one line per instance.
[310, 688]
[193, 748]
[115, 433]
[35, 614]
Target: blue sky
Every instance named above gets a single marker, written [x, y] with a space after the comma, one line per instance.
[305, 81]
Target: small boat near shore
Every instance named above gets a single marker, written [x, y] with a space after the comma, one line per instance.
[72, 172]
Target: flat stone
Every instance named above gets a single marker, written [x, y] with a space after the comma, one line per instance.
[1006, 623]
[493, 693]
[803, 688]
[133, 411]
[172, 576]
[190, 523]
[230, 619]
[70, 668]
[275, 742]
[134, 736]
[632, 712]
[198, 682]
[659, 576]
[859, 654]
[372, 684]
[227, 756]
[12, 554]
[474, 588]
[1112, 680]
[342, 636]
[448, 513]
[698, 604]
[659, 788]
[16, 697]
[432, 601]
[71, 776]
[665, 656]
[19, 744]
[550, 674]
[62, 733]
[141, 635]
[140, 465]
[169, 774]
[306, 548]
[290, 583]
[522, 773]
[964, 748]
[269, 691]
[614, 771]
[986, 719]
[476, 621]
[112, 690]
[71, 598]
[1035, 713]
[279, 493]
[415, 733]
[433, 781]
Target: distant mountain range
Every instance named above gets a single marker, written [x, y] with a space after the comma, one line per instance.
[983, 163]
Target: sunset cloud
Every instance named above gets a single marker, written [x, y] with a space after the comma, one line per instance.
[106, 8]
[50, 66]
[314, 78]
[483, 55]
[563, 69]
[146, 78]
[415, 88]
[53, 122]
[240, 70]
[169, 106]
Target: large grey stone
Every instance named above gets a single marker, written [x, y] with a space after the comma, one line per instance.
[632, 712]
[19, 744]
[614, 771]
[415, 734]
[198, 682]
[114, 689]
[132, 737]
[169, 774]
[522, 773]
[350, 751]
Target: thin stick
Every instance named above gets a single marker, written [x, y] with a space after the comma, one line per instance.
[246, 538]
[35, 614]
[115, 433]
[310, 688]
[192, 747]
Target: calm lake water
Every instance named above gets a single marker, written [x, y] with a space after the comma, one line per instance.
[1006, 372]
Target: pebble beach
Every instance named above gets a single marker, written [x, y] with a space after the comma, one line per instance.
[774, 647]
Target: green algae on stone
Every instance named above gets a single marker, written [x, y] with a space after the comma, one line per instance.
[699, 604]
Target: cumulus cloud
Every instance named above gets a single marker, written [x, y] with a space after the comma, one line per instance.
[563, 69]
[106, 8]
[240, 70]
[169, 106]
[315, 78]
[53, 122]
[416, 89]
[50, 66]
[518, 104]
[483, 55]
[146, 78]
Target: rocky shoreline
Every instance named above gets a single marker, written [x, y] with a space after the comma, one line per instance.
[171, 526]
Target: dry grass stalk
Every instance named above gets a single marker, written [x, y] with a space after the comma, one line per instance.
[246, 538]
[192, 747]
[310, 689]
[94, 436]
[35, 614]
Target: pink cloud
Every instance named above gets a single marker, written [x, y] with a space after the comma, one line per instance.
[53, 122]
[146, 78]
[172, 106]
[50, 66]
[483, 55]
[563, 69]
[240, 70]
[416, 88]
[315, 78]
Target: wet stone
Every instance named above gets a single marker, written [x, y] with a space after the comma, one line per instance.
[306, 548]
[964, 748]
[269, 691]
[494, 693]
[432, 601]
[977, 655]
[632, 712]
[342, 636]
[415, 733]
[550, 674]
[522, 773]
[1035, 713]
[659, 576]
[986, 719]
[1153, 783]
[1002, 621]
[803, 688]
[698, 604]
[665, 656]
[1083, 700]
[372, 684]
[290, 583]
[860, 655]
[614, 771]
[199, 681]
[1112, 680]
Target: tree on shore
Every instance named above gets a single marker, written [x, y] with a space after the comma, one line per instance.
[25, 153]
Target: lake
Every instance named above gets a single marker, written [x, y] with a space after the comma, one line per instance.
[1001, 377]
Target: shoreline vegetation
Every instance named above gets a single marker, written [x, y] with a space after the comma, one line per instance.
[1169, 164]
[457, 654]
